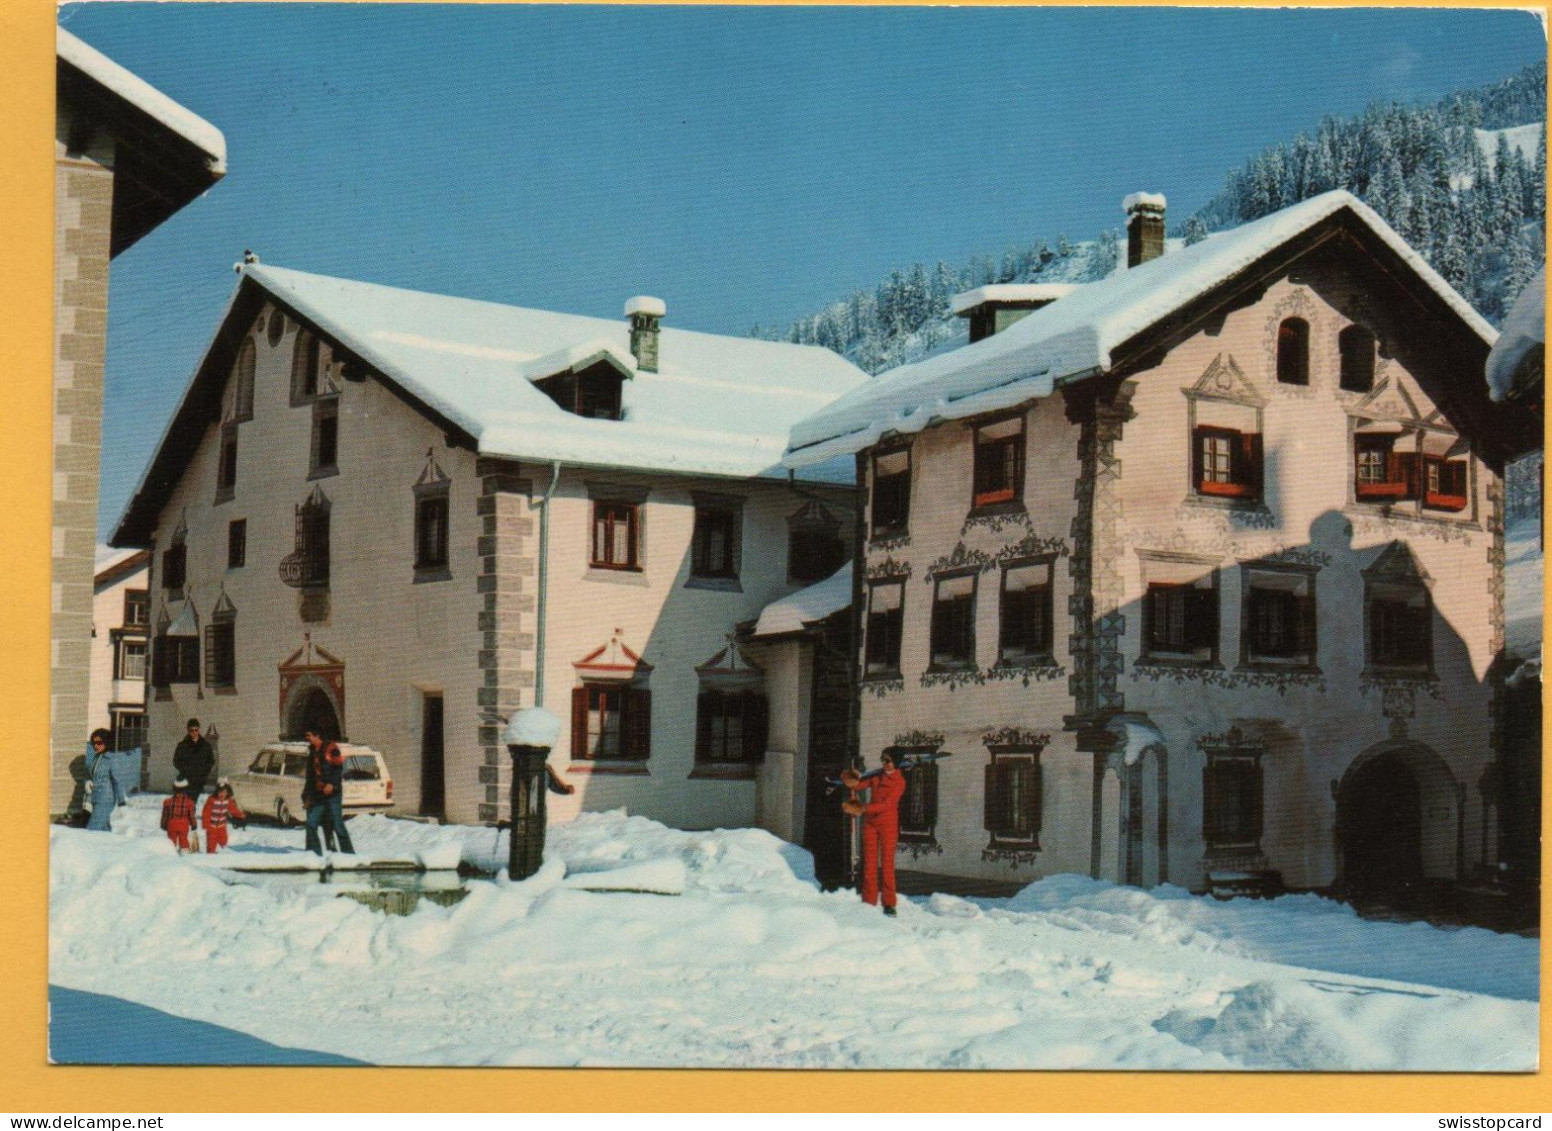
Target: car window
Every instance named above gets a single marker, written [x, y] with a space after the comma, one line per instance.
[296, 765]
[260, 764]
[362, 767]
[276, 758]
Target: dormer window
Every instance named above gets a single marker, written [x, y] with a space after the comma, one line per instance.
[592, 393]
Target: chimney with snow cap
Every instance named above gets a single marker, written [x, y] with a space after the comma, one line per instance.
[645, 314]
[1144, 227]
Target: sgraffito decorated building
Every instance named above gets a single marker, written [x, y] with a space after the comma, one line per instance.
[1196, 571]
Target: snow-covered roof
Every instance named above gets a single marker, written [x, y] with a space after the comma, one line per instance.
[966, 301]
[796, 611]
[717, 406]
[1074, 338]
[1524, 330]
[145, 97]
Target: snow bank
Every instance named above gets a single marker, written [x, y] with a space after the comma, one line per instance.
[1522, 588]
[752, 965]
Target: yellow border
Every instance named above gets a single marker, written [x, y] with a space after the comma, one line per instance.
[27, 1083]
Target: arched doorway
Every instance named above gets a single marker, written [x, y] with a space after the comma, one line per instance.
[312, 709]
[1380, 823]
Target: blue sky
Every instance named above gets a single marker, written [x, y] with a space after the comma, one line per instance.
[745, 164]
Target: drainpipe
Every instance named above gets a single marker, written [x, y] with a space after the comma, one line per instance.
[544, 562]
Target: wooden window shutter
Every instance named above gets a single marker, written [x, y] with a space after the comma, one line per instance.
[1304, 610]
[1199, 456]
[756, 726]
[707, 706]
[212, 656]
[992, 798]
[1028, 822]
[579, 722]
[1201, 617]
[637, 723]
[1248, 473]
[929, 794]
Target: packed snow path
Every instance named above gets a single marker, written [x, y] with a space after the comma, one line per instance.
[753, 966]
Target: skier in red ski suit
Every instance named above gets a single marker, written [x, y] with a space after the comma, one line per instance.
[220, 807]
[880, 827]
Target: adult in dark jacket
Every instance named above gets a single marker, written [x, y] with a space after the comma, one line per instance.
[323, 791]
[194, 759]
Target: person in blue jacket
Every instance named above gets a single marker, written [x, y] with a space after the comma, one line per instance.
[109, 788]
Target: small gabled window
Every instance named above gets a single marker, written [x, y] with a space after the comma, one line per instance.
[610, 722]
[431, 531]
[886, 600]
[891, 492]
[1293, 352]
[1180, 621]
[594, 393]
[1025, 615]
[731, 726]
[815, 549]
[1227, 462]
[999, 462]
[1356, 346]
[1400, 624]
[953, 621]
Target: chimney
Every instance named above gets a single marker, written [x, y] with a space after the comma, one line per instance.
[1144, 227]
[645, 314]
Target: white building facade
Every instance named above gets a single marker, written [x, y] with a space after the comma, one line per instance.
[404, 516]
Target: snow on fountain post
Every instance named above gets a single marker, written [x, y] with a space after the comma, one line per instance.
[528, 737]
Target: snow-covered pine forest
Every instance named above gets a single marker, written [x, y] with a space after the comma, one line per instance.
[1463, 180]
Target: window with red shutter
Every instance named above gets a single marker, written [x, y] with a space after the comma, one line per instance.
[1227, 463]
[1444, 484]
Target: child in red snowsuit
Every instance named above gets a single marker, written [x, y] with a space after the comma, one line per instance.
[880, 827]
[178, 815]
[220, 807]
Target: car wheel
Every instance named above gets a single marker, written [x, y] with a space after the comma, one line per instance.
[282, 813]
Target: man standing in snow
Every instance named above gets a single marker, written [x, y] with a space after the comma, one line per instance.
[880, 825]
[194, 759]
[323, 791]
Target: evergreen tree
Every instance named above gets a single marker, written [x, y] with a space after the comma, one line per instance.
[1195, 230]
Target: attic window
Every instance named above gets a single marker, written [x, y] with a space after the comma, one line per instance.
[1293, 352]
[593, 393]
[242, 403]
[1356, 345]
[306, 359]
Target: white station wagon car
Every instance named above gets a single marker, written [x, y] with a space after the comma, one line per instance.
[272, 785]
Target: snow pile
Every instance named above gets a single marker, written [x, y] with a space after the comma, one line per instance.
[533, 726]
[750, 964]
